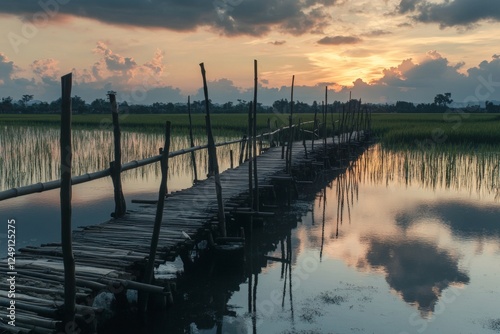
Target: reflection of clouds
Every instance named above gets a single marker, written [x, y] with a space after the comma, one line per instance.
[418, 271]
[464, 219]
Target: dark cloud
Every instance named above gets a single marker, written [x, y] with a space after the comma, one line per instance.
[405, 25]
[406, 6]
[338, 40]
[229, 17]
[378, 32]
[278, 43]
[463, 13]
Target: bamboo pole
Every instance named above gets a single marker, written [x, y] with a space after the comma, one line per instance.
[249, 152]
[324, 124]
[290, 140]
[116, 165]
[255, 172]
[65, 197]
[148, 275]
[213, 153]
[242, 149]
[193, 157]
[303, 139]
[315, 127]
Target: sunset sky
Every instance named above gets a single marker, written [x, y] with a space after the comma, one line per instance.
[150, 50]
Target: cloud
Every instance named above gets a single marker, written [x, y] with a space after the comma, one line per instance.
[229, 17]
[376, 33]
[451, 13]
[6, 68]
[46, 69]
[114, 62]
[411, 80]
[406, 6]
[338, 40]
[278, 43]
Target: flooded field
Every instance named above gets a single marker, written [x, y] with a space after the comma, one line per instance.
[402, 242]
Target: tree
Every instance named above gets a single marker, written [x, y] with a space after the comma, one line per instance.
[78, 105]
[490, 107]
[25, 99]
[443, 99]
[6, 105]
[99, 106]
[280, 105]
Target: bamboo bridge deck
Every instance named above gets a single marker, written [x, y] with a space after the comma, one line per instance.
[108, 255]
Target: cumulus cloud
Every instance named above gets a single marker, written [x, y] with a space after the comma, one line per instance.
[451, 13]
[46, 69]
[338, 40]
[411, 80]
[114, 62]
[229, 17]
[7, 68]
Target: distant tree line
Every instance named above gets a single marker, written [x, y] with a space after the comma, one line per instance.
[26, 105]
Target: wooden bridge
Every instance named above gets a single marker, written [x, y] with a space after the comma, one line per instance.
[109, 256]
[119, 254]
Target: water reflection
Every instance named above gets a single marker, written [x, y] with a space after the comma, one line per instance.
[418, 270]
[463, 170]
[464, 219]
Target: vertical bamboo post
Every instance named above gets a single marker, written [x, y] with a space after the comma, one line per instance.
[323, 108]
[249, 153]
[212, 151]
[65, 198]
[242, 149]
[342, 125]
[324, 123]
[279, 133]
[148, 274]
[303, 138]
[290, 140]
[116, 166]
[315, 126]
[271, 136]
[231, 159]
[193, 156]
[255, 172]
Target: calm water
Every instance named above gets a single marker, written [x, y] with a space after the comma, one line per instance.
[31, 154]
[403, 242]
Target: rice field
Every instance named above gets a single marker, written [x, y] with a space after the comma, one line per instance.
[415, 130]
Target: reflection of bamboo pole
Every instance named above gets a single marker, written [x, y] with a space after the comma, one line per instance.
[323, 225]
[290, 289]
[65, 197]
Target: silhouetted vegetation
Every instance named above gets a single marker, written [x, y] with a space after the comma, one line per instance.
[27, 105]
